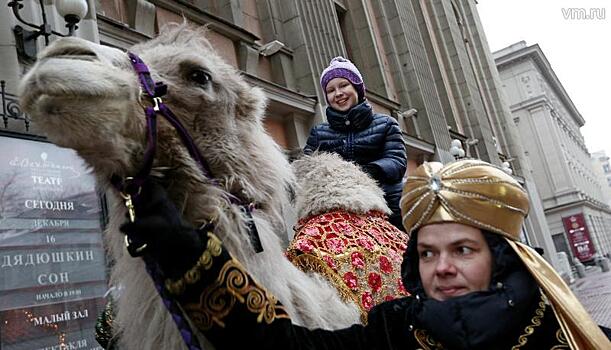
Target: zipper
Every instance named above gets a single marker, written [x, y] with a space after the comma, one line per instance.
[350, 145]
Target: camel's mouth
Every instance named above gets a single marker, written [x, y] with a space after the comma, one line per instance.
[52, 80]
[56, 78]
[72, 68]
[70, 48]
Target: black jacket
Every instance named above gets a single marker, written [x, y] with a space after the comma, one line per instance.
[371, 140]
[232, 315]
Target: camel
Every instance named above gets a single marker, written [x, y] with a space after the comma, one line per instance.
[343, 233]
[87, 97]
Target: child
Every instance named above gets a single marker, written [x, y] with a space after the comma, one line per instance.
[353, 131]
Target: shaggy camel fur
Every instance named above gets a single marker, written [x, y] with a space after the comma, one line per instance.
[326, 182]
[87, 97]
[343, 232]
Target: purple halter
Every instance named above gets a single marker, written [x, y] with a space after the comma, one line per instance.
[154, 91]
[130, 187]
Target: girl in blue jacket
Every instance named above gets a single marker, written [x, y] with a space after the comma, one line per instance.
[353, 131]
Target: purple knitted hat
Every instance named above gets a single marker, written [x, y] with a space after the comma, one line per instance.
[340, 67]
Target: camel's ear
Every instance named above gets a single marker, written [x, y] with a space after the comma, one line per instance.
[251, 103]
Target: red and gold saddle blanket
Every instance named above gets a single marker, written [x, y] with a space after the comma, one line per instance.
[360, 255]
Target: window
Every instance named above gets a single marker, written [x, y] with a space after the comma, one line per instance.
[344, 27]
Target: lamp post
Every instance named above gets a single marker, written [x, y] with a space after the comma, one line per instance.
[506, 166]
[10, 108]
[72, 11]
[456, 149]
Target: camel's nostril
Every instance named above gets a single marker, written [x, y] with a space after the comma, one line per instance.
[74, 52]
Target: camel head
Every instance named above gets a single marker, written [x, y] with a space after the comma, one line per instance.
[87, 97]
[326, 182]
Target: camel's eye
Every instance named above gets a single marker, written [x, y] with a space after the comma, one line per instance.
[200, 77]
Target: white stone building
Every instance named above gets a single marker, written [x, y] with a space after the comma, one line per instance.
[548, 121]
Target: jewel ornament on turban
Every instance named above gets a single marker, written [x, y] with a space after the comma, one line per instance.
[478, 194]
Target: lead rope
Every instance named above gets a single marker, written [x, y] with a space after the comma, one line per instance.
[178, 317]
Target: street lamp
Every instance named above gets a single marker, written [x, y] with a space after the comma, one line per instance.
[412, 114]
[456, 149]
[271, 48]
[507, 167]
[72, 11]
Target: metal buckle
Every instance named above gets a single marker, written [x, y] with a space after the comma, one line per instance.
[157, 101]
[143, 102]
[134, 251]
[131, 210]
[129, 204]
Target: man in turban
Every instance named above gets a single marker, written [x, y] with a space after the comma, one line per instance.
[474, 285]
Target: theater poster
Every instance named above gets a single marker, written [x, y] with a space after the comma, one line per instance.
[579, 237]
[52, 262]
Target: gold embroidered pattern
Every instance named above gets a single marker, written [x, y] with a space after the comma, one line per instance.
[426, 341]
[360, 255]
[233, 285]
[213, 249]
[561, 338]
[534, 322]
[310, 263]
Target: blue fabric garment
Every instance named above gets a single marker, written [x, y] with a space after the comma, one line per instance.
[371, 140]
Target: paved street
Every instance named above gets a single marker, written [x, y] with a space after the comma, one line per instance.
[594, 291]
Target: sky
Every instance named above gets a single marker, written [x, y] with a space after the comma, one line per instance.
[579, 51]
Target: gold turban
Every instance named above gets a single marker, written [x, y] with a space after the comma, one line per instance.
[469, 192]
[478, 194]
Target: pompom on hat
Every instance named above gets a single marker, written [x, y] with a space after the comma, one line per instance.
[479, 194]
[341, 67]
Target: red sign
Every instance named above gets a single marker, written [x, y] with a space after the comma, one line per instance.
[579, 237]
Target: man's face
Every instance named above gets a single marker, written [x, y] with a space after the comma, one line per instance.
[454, 259]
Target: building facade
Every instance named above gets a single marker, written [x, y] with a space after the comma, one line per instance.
[424, 62]
[549, 123]
[602, 167]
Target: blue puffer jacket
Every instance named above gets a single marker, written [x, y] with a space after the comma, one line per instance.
[371, 140]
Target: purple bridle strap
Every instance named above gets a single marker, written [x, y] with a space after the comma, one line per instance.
[133, 185]
[155, 91]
